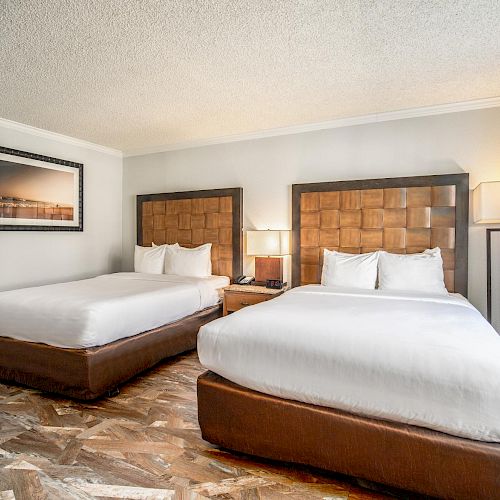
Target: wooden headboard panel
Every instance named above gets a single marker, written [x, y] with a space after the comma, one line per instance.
[192, 218]
[400, 215]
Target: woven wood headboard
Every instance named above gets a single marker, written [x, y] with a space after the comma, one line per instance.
[192, 218]
[400, 215]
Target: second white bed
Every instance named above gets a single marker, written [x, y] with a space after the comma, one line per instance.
[100, 310]
[427, 360]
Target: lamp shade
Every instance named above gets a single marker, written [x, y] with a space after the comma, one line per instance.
[486, 203]
[268, 242]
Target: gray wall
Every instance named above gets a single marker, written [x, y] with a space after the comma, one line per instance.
[495, 280]
[32, 258]
[266, 169]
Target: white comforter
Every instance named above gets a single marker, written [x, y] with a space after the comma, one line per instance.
[427, 360]
[97, 311]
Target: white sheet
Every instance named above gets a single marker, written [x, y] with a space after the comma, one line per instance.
[97, 311]
[426, 360]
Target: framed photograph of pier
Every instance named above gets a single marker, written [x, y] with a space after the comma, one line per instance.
[39, 193]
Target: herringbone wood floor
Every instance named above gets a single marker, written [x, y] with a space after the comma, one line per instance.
[144, 443]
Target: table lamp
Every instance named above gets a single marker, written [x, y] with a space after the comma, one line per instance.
[486, 203]
[269, 247]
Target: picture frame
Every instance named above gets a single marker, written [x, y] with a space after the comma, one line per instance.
[39, 193]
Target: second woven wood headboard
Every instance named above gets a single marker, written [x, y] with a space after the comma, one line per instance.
[400, 215]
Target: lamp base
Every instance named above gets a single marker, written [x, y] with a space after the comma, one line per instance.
[268, 268]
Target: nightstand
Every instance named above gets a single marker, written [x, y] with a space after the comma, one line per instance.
[237, 297]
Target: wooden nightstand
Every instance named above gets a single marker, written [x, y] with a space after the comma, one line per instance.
[237, 297]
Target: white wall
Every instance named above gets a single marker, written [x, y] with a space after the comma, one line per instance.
[266, 169]
[32, 258]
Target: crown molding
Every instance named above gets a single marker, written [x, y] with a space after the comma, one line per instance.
[439, 109]
[47, 134]
[402, 114]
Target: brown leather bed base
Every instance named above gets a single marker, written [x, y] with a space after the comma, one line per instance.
[90, 373]
[403, 456]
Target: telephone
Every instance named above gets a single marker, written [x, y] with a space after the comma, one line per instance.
[244, 280]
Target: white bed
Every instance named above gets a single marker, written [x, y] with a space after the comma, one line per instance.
[97, 311]
[426, 360]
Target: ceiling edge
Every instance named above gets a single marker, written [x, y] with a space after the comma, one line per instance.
[438, 109]
[491, 102]
[47, 134]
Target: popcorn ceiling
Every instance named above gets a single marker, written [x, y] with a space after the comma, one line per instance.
[137, 74]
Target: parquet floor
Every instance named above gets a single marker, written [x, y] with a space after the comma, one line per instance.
[142, 444]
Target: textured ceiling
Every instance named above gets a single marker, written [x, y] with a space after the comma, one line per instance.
[135, 74]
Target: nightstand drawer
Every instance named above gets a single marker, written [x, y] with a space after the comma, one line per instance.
[237, 297]
[236, 301]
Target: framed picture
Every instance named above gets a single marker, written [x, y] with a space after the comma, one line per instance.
[493, 277]
[39, 193]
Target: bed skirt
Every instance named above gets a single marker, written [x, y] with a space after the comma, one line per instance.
[92, 372]
[404, 456]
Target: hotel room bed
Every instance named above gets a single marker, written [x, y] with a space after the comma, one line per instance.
[84, 338]
[93, 312]
[402, 389]
[397, 388]
[419, 359]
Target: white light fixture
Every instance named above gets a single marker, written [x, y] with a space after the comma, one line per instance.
[486, 203]
[268, 243]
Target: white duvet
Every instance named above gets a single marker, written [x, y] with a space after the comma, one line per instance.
[426, 360]
[97, 311]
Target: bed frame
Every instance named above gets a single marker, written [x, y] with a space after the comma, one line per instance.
[191, 218]
[403, 215]
[400, 215]
[403, 456]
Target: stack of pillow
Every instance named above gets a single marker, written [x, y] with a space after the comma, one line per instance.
[419, 272]
[174, 259]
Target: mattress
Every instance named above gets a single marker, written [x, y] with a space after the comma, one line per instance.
[422, 359]
[97, 311]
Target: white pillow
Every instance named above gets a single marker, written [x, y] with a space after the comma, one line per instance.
[165, 246]
[349, 270]
[417, 272]
[189, 261]
[175, 245]
[149, 260]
